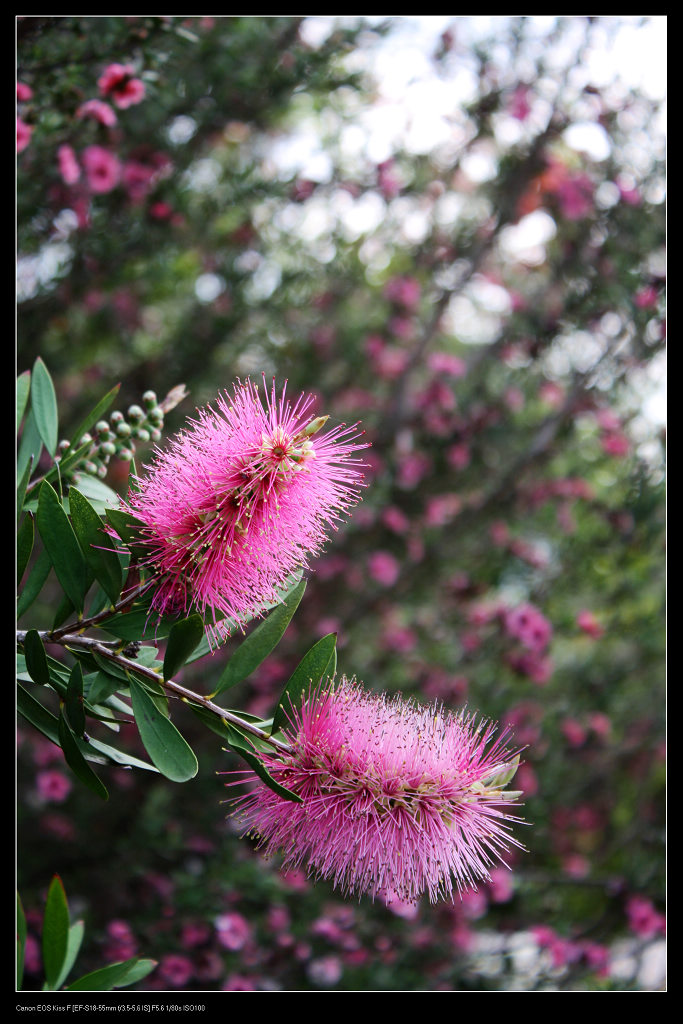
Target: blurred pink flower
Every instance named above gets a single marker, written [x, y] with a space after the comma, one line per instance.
[238, 983]
[24, 132]
[118, 81]
[383, 568]
[404, 291]
[241, 498]
[394, 797]
[99, 111]
[644, 919]
[232, 931]
[501, 887]
[587, 622]
[444, 362]
[68, 165]
[176, 970]
[24, 92]
[102, 168]
[519, 106]
[53, 786]
[325, 970]
[527, 624]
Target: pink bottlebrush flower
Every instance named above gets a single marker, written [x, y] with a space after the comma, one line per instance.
[68, 165]
[240, 499]
[118, 81]
[396, 799]
[24, 132]
[102, 168]
[99, 110]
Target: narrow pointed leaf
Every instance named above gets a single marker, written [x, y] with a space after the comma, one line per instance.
[23, 388]
[76, 761]
[36, 658]
[319, 661]
[35, 582]
[95, 545]
[25, 535]
[21, 941]
[30, 445]
[182, 640]
[44, 405]
[73, 946]
[21, 487]
[55, 937]
[64, 550]
[129, 530]
[261, 642]
[118, 975]
[241, 747]
[99, 494]
[74, 700]
[171, 754]
[94, 415]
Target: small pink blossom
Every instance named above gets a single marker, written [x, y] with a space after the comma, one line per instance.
[446, 363]
[99, 111]
[616, 444]
[519, 106]
[53, 786]
[176, 970]
[646, 298]
[644, 919]
[118, 81]
[404, 291]
[137, 179]
[574, 732]
[501, 887]
[587, 622]
[393, 796]
[102, 168]
[238, 983]
[527, 624]
[24, 132]
[325, 970]
[383, 568]
[24, 92]
[232, 931]
[68, 165]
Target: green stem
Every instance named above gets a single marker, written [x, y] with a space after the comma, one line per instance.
[104, 651]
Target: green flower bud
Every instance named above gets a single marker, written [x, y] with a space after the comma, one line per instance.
[91, 468]
[135, 414]
[102, 472]
[126, 454]
[141, 434]
[150, 399]
[107, 449]
[155, 416]
[116, 417]
[63, 446]
[86, 439]
[123, 429]
[155, 434]
[102, 427]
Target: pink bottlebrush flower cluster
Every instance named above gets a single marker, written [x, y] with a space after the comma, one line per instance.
[240, 499]
[396, 799]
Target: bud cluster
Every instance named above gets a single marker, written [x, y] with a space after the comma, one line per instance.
[116, 437]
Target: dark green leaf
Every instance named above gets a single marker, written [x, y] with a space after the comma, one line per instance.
[44, 405]
[34, 584]
[23, 388]
[74, 700]
[318, 662]
[76, 761]
[140, 624]
[36, 658]
[129, 530]
[95, 544]
[93, 416]
[99, 494]
[24, 546]
[30, 446]
[21, 941]
[241, 747]
[21, 487]
[64, 550]
[37, 715]
[171, 754]
[55, 938]
[261, 642]
[113, 976]
[182, 640]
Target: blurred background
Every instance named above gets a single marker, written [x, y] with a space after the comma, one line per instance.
[451, 229]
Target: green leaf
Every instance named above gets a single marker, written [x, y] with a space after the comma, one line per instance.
[21, 941]
[171, 754]
[182, 640]
[55, 938]
[36, 658]
[96, 545]
[113, 976]
[44, 405]
[74, 700]
[23, 388]
[93, 416]
[76, 761]
[241, 747]
[139, 624]
[30, 445]
[64, 550]
[129, 530]
[34, 584]
[73, 946]
[319, 661]
[100, 495]
[21, 487]
[25, 535]
[261, 642]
